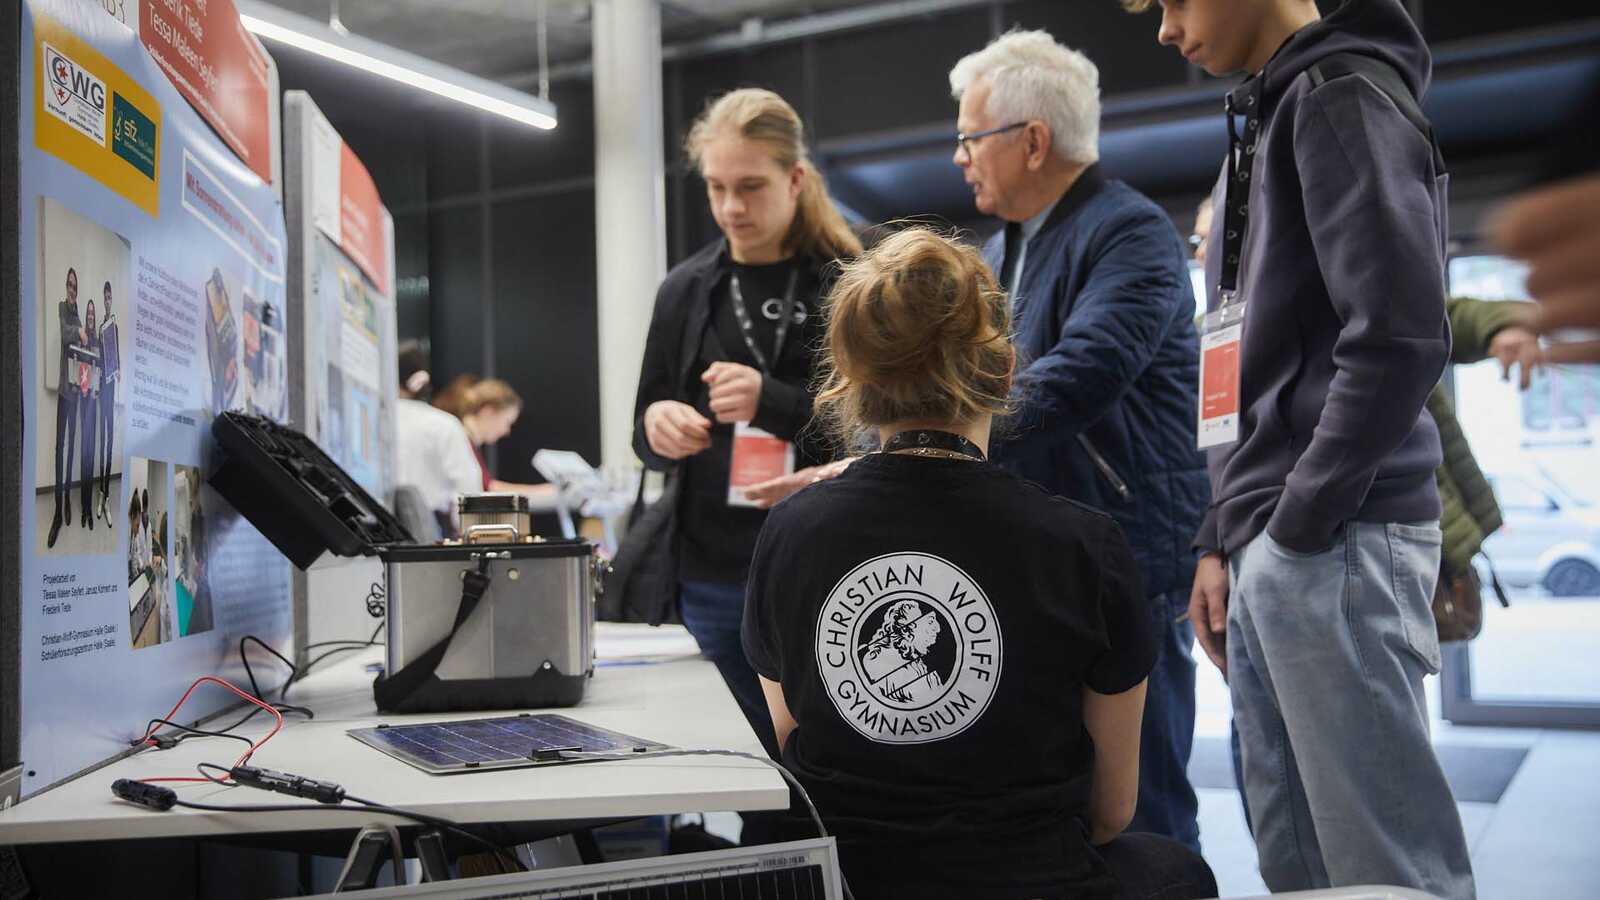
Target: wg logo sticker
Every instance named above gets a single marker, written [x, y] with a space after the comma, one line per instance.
[909, 649]
[74, 95]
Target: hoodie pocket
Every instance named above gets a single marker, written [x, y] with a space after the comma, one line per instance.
[1106, 472]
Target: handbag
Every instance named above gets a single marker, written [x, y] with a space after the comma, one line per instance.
[1458, 603]
[641, 584]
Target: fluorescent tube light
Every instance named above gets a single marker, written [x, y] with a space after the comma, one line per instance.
[308, 34]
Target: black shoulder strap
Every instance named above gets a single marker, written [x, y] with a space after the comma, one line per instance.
[1386, 79]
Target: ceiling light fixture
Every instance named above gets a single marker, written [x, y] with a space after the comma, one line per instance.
[308, 34]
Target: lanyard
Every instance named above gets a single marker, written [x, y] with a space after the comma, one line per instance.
[1236, 191]
[747, 329]
[931, 439]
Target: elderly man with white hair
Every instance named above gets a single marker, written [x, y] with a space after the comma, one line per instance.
[1107, 381]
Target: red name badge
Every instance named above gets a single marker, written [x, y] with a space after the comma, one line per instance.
[1220, 339]
[757, 456]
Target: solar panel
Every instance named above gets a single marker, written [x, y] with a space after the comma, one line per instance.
[801, 870]
[470, 745]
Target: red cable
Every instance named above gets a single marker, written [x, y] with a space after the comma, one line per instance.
[247, 754]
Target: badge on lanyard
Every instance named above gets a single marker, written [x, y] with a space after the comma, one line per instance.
[1222, 329]
[757, 456]
[1221, 337]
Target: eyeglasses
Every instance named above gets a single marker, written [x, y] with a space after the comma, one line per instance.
[964, 140]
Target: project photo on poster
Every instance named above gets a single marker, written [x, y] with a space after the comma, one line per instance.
[189, 560]
[152, 276]
[83, 277]
[150, 612]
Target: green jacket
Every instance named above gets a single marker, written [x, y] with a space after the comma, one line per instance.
[1470, 511]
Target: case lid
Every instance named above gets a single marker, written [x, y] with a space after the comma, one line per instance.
[296, 495]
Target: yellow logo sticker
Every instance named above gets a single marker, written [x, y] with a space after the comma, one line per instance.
[88, 113]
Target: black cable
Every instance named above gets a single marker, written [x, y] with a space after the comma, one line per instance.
[188, 733]
[356, 806]
[203, 774]
[377, 597]
[255, 689]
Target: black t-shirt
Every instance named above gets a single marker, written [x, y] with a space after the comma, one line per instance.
[717, 538]
[933, 623]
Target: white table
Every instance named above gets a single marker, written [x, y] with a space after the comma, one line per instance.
[667, 697]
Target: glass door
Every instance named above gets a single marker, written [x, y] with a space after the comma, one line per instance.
[1537, 662]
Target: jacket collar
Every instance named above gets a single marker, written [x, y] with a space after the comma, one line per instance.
[1088, 184]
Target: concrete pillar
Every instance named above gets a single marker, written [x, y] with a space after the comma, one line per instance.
[630, 212]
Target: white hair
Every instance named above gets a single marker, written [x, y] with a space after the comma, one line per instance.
[1030, 76]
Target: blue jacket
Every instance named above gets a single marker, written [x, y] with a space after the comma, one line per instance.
[1104, 325]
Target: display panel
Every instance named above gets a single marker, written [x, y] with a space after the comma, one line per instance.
[149, 254]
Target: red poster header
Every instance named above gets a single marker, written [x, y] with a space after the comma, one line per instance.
[361, 231]
[219, 68]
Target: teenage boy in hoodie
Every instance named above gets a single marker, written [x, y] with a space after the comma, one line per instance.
[1321, 546]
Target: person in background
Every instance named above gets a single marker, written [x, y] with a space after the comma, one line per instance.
[89, 415]
[1322, 547]
[1479, 330]
[1557, 231]
[954, 658]
[1199, 238]
[488, 408]
[453, 396]
[434, 453]
[110, 372]
[71, 333]
[1103, 309]
[732, 341]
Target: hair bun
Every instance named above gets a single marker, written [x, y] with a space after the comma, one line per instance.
[917, 331]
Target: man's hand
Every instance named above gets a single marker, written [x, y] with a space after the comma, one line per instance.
[1557, 231]
[674, 430]
[1208, 608]
[1517, 346]
[735, 391]
[768, 493]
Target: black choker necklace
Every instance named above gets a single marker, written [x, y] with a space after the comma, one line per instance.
[932, 442]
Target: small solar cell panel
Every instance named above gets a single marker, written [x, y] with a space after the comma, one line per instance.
[470, 745]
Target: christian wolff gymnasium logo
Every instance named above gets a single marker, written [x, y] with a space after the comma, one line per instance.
[909, 649]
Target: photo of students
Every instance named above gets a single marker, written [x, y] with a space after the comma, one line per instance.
[83, 271]
[954, 659]
[190, 565]
[152, 619]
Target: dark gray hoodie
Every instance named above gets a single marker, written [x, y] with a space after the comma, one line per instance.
[1343, 272]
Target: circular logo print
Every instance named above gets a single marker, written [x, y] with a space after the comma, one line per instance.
[909, 649]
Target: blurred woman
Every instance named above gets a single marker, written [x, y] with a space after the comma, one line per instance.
[488, 407]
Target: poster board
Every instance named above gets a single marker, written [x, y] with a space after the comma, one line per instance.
[342, 291]
[341, 300]
[129, 202]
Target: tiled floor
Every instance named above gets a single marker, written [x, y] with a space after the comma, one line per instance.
[1541, 840]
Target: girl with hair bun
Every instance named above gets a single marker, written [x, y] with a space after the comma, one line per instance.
[954, 659]
[731, 346]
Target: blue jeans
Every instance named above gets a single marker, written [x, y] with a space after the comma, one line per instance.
[1326, 656]
[1167, 803]
[714, 614]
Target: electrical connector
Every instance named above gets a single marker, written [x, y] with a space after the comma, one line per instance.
[152, 795]
[288, 783]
